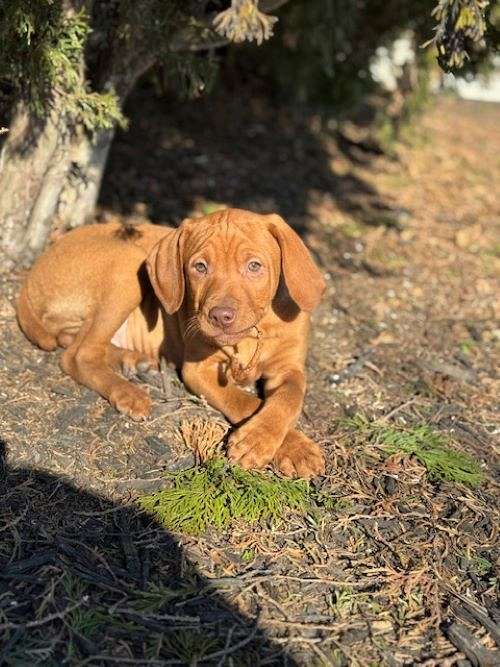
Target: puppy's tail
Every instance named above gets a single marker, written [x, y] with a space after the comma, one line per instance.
[31, 325]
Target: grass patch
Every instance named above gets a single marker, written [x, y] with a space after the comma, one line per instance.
[429, 447]
[217, 493]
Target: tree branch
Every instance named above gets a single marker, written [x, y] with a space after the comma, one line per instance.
[271, 5]
[183, 41]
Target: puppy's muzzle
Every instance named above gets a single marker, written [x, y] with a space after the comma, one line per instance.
[222, 316]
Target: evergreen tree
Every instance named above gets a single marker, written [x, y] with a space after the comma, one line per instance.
[67, 67]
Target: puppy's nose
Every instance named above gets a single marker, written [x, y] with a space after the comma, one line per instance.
[222, 316]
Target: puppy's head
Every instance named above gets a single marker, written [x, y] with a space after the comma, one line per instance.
[226, 269]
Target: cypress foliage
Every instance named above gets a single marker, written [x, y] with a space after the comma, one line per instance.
[320, 51]
[428, 446]
[217, 493]
[42, 55]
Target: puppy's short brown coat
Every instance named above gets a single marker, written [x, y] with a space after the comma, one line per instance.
[232, 293]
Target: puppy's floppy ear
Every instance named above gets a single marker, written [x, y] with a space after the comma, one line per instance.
[303, 279]
[166, 271]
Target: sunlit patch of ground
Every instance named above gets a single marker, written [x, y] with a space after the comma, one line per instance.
[407, 336]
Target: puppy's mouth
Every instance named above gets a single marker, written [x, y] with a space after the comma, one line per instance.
[226, 336]
[232, 337]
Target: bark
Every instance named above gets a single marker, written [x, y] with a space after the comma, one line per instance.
[50, 176]
[50, 170]
[78, 196]
[24, 160]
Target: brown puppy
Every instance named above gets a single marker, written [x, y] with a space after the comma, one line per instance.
[235, 289]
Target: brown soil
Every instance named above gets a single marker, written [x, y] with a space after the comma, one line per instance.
[407, 333]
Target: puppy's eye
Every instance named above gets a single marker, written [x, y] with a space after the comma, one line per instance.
[200, 267]
[254, 266]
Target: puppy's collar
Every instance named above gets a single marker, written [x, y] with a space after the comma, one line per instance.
[239, 372]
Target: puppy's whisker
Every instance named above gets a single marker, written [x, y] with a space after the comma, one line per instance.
[192, 328]
[188, 333]
[191, 320]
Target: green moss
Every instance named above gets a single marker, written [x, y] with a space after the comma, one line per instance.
[429, 447]
[218, 493]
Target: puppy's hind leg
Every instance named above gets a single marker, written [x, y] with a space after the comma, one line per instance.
[31, 325]
[87, 358]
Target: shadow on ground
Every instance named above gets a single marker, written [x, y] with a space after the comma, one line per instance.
[241, 149]
[86, 581]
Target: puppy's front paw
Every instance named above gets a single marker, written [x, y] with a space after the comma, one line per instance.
[131, 401]
[252, 446]
[299, 457]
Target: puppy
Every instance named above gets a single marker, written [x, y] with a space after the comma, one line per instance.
[225, 298]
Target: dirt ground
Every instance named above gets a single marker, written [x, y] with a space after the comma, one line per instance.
[399, 569]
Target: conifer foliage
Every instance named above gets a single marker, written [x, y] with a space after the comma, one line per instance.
[67, 66]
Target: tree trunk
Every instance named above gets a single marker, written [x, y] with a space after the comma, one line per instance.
[51, 171]
[49, 178]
